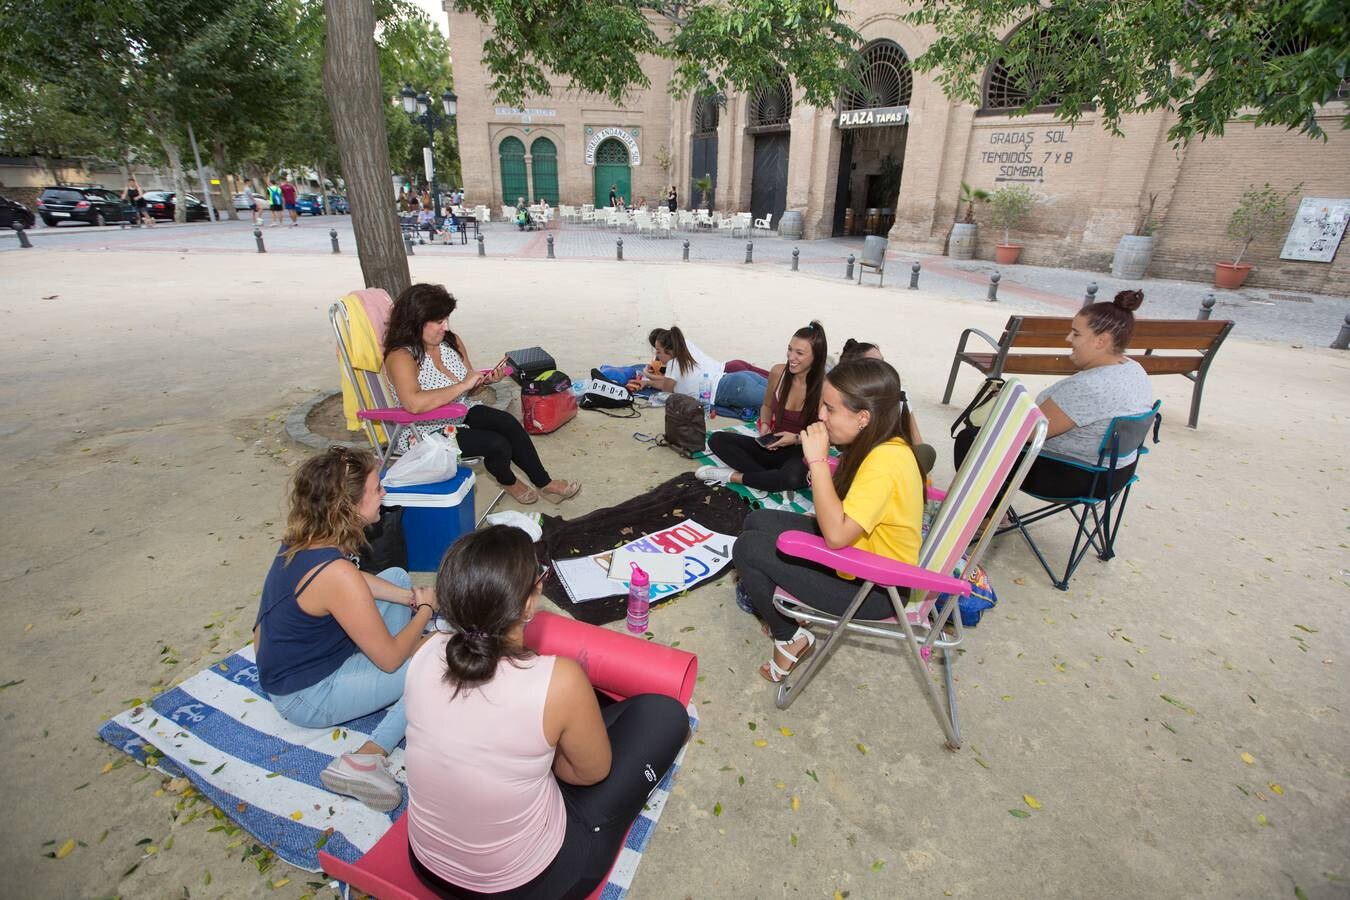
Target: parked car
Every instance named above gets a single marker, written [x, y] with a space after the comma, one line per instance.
[14, 213]
[338, 204]
[160, 205]
[241, 204]
[89, 204]
[309, 205]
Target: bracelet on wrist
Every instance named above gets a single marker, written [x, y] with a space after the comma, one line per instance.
[812, 462]
[419, 606]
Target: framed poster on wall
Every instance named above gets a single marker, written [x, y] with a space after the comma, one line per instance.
[1317, 230]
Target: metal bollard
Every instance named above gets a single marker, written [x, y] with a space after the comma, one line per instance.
[1091, 295]
[686, 251]
[481, 251]
[332, 235]
[993, 287]
[749, 251]
[408, 244]
[550, 247]
[618, 249]
[914, 277]
[848, 268]
[1342, 341]
[22, 234]
[257, 236]
[795, 253]
[1206, 306]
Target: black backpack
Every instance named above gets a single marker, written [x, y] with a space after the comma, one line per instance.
[685, 425]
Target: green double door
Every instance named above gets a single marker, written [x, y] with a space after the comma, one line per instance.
[611, 170]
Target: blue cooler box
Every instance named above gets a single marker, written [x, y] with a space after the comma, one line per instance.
[434, 516]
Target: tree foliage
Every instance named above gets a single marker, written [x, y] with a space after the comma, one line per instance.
[1209, 61]
[598, 47]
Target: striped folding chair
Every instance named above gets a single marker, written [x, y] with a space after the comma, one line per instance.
[936, 583]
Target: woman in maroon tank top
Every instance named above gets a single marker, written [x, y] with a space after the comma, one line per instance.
[773, 462]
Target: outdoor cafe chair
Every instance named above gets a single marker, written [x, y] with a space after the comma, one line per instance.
[765, 224]
[382, 422]
[873, 257]
[975, 495]
[1098, 514]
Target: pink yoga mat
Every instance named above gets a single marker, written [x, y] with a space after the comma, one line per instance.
[618, 664]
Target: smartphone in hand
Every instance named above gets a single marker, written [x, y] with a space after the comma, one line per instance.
[767, 439]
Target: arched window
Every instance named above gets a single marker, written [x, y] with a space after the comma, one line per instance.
[706, 114]
[1283, 42]
[514, 185]
[886, 76]
[771, 104]
[1006, 87]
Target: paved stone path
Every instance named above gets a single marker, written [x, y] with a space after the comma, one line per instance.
[1291, 317]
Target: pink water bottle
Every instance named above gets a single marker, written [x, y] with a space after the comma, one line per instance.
[639, 600]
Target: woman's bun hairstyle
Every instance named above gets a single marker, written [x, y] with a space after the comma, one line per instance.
[1128, 300]
[1115, 318]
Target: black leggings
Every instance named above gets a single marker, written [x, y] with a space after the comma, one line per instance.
[761, 567]
[496, 436]
[760, 468]
[1048, 477]
[646, 733]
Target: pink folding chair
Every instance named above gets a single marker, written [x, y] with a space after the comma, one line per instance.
[936, 583]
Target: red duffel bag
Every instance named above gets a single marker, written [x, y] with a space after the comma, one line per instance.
[547, 402]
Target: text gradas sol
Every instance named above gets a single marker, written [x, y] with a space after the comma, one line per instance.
[1020, 159]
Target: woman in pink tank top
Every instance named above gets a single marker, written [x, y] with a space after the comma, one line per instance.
[519, 784]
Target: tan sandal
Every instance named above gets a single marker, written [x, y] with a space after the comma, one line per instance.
[526, 497]
[777, 673]
[573, 488]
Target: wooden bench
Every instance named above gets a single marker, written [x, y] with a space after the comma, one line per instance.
[1201, 337]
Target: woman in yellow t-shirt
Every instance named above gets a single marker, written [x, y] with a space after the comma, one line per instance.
[862, 410]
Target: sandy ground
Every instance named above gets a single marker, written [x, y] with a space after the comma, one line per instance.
[144, 467]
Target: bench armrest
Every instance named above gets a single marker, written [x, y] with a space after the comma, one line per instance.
[869, 566]
[965, 336]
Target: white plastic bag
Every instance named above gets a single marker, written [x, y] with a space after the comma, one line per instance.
[435, 457]
[526, 522]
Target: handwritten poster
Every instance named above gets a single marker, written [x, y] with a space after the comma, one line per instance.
[706, 553]
[1317, 230]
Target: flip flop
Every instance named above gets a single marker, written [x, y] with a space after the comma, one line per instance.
[573, 488]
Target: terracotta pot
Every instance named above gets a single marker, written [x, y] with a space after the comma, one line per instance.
[1229, 276]
[1006, 254]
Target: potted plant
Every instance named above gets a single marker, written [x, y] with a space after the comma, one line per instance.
[1259, 212]
[961, 239]
[1135, 250]
[703, 185]
[1009, 207]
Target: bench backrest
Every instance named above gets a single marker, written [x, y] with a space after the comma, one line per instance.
[1149, 334]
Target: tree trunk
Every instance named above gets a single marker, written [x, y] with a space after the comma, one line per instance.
[218, 151]
[323, 191]
[351, 79]
[175, 166]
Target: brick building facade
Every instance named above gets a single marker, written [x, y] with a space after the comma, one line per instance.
[765, 152]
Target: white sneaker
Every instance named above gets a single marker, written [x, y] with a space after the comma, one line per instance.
[714, 474]
[366, 777]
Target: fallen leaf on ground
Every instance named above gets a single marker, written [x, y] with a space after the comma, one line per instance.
[1276, 788]
[785, 731]
[717, 809]
[796, 803]
[1019, 814]
[66, 849]
[862, 748]
[780, 784]
[1261, 819]
[1031, 801]
[1248, 758]
[761, 743]
[297, 815]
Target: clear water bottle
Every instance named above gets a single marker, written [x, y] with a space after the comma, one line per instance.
[578, 389]
[705, 393]
[639, 600]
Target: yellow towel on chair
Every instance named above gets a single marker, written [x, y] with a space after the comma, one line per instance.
[363, 347]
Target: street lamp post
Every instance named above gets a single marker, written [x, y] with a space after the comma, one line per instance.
[418, 105]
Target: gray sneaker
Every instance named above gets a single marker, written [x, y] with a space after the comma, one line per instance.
[713, 474]
[366, 777]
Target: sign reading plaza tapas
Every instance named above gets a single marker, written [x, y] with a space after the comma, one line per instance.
[874, 118]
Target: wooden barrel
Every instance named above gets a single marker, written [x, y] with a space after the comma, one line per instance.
[872, 220]
[790, 226]
[962, 244]
[1133, 254]
[848, 221]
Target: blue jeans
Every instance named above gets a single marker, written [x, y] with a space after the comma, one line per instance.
[358, 687]
[741, 390]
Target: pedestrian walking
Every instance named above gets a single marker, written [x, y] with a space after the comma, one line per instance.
[288, 199]
[251, 201]
[672, 199]
[274, 202]
[136, 197]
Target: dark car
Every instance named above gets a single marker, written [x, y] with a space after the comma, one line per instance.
[338, 204]
[92, 205]
[160, 205]
[309, 205]
[14, 213]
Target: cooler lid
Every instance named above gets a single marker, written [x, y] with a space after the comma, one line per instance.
[438, 493]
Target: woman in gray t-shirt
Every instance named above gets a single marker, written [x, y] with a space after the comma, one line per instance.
[1080, 407]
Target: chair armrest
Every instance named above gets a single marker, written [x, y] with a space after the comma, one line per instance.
[869, 566]
[965, 336]
[400, 416]
[933, 493]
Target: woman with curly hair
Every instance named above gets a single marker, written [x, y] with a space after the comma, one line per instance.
[521, 784]
[428, 366]
[333, 642]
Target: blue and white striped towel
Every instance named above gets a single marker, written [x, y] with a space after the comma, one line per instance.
[219, 730]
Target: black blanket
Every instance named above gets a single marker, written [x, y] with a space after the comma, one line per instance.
[682, 497]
